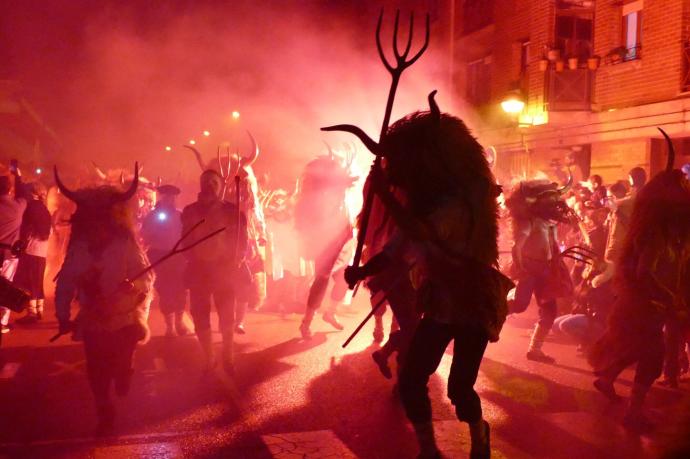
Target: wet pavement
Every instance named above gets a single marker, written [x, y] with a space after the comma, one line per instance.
[306, 399]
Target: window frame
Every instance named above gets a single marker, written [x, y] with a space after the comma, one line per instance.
[632, 53]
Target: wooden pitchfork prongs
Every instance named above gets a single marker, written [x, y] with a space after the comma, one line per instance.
[401, 59]
[402, 62]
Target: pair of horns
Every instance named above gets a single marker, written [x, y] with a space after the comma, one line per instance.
[671, 152]
[368, 142]
[120, 197]
[245, 161]
[103, 176]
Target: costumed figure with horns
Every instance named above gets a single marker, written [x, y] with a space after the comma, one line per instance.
[323, 225]
[252, 294]
[215, 268]
[536, 208]
[432, 177]
[103, 253]
[146, 191]
[160, 230]
[652, 280]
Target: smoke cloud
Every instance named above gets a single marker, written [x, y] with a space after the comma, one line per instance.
[120, 82]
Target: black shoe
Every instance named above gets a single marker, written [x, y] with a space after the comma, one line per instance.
[483, 450]
[382, 363]
[607, 389]
[537, 355]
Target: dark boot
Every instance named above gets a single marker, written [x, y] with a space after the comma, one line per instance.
[427, 441]
[480, 435]
[534, 351]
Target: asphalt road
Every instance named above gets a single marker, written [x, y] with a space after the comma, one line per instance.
[306, 399]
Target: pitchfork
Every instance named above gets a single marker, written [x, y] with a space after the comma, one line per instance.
[401, 63]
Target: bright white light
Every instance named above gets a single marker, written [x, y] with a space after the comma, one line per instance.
[39, 170]
[206, 133]
[512, 105]
[235, 115]
[168, 148]
[162, 216]
[192, 142]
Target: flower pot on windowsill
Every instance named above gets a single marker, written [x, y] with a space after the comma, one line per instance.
[593, 62]
[553, 54]
[572, 63]
[560, 65]
[543, 65]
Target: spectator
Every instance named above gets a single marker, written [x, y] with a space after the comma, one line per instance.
[11, 212]
[598, 190]
[35, 231]
[637, 177]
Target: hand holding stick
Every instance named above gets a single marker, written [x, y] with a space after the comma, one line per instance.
[174, 251]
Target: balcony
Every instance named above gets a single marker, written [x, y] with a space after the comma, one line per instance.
[569, 90]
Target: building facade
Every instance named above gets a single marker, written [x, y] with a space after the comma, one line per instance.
[597, 77]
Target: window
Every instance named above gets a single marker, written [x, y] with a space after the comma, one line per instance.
[479, 81]
[574, 36]
[631, 39]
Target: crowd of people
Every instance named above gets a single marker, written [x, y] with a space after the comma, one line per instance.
[578, 248]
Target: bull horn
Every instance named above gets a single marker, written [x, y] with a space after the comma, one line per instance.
[368, 142]
[99, 172]
[671, 151]
[221, 169]
[247, 161]
[568, 185]
[330, 150]
[433, 107]
[69, 194]
[127, 195]
[197, 155]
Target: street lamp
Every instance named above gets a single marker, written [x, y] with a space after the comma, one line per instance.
[235, 115]
[513, 102]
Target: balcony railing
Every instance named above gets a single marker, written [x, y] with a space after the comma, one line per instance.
[569, 90]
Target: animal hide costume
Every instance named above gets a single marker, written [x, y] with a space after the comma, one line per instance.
[215, 268]
[323, 225]
[445, 211]
[253, 294]
[536, 207]
[103, 253]
[653, 288]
